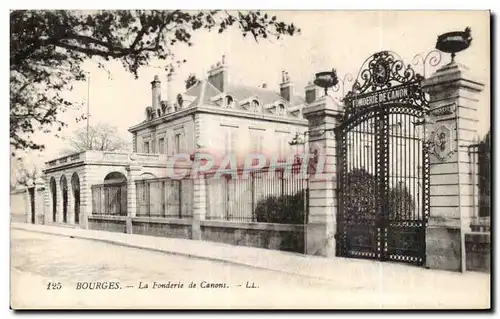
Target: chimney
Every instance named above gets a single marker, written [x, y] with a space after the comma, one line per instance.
[170, 90]
[156, 94]
[286, 88]
[218, 75]
[264, 85]
[312, 93]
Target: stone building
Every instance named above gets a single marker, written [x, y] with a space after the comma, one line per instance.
[213, 115]
[131, 192]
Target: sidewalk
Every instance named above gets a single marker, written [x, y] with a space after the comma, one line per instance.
[343, 272]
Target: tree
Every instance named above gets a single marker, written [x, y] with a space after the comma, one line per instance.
[101, 137]
[191, 80]
[24, 174]
[47, 49]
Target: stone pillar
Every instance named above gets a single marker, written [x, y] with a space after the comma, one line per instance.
[59, 192]
[133, 173]
[47, 201]
[86, 181]
[321, 227]
[39, 202]
[199, 205]
[452, 126]
[71, 204]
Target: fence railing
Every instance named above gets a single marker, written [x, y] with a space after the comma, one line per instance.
[164, 197]
[480, 173]
[258, 196]
[109, 199]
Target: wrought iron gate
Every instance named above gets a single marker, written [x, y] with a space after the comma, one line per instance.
[383, 164]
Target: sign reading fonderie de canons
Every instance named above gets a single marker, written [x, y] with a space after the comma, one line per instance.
[394, 94]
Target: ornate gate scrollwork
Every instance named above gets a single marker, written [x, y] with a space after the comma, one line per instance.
[383, 179]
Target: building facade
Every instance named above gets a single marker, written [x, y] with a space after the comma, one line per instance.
[132, 192]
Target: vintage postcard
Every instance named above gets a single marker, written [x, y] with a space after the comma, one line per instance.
[180, 159]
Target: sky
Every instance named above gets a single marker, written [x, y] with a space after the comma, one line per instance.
[329, 39]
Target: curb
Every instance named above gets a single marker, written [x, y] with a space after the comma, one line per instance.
[175, 253]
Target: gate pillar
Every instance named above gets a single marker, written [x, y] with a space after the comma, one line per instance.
[453, 97]
[321, 227]
[132, 176]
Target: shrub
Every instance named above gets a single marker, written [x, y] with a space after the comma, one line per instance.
[286, 209]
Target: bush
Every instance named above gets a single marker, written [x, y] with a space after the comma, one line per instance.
[286, 209]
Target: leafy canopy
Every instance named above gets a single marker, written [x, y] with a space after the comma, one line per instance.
[47, 49]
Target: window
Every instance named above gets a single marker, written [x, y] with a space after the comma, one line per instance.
[256, 142]
[161, 145]
[229, 101]
[281, 148]
[153, 147]
[281, 109]
[255, 106]
[178, 142]
[145, 148]
[230, 139]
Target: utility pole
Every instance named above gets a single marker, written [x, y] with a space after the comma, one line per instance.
[88, 111]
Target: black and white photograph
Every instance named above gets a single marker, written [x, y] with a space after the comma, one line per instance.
[177, 159]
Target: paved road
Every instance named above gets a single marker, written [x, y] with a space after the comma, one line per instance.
[40, 261]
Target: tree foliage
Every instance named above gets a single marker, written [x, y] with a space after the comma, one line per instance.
[361, 202]
[47, 49]
[101, 137]
[191, 80]
[285, 209]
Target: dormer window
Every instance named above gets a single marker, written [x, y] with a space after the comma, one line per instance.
[280, 110]
[255, 105]
[149, 113]
[228, 101]
[180, 100]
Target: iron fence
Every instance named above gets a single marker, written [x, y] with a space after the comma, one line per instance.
[109, 199]
[266, 195]
[164, 197]
[480, 170]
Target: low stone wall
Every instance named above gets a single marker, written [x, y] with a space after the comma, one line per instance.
[262, 235]
[108, 223]
[478, 251]
[18, 218]
[160, 227]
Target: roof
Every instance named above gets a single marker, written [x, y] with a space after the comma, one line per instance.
[207, 91]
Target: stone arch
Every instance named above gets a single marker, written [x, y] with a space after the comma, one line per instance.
[75, 186]
[53, 195]
[115, 194]
[115, 178]
[147, 176]
[64, 197]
